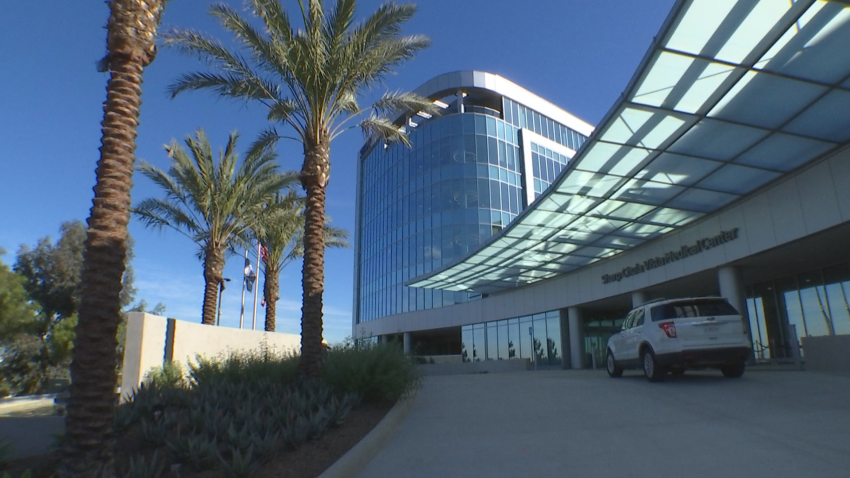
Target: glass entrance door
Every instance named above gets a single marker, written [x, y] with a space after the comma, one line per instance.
[596, 334]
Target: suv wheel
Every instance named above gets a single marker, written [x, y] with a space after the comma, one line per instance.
[651, 369]
[613, 369]
[733, 371]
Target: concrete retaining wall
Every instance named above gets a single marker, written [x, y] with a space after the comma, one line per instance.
[153, 340]
[144, 348]
[827, 353]
[192, 339]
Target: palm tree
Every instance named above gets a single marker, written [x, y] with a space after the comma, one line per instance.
[87, 449]
[310, 80]
[280, 229]
[211, 202]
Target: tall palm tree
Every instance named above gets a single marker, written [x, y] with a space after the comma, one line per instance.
[211, 202]
[87, 449]
[310, 80]
[280, 229]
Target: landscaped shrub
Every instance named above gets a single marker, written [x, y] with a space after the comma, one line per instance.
[169, 375]
[231, 413]
[234, 412]
[245, 367]
[376, 372]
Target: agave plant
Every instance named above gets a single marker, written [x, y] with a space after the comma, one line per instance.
[240, 464]
[139, 467]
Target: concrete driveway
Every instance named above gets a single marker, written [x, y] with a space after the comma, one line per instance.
[585, 424]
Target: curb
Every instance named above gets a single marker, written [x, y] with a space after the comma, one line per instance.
[25, 405]
[362, 453]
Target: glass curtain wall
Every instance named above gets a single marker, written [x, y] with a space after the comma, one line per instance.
[523, 117]
[533, 337]
[546, 165]
[430, 204]
[815, 303]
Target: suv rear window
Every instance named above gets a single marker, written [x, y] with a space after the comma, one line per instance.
[692, 308]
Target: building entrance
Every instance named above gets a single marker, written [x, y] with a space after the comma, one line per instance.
[809, 304]
[597, 329]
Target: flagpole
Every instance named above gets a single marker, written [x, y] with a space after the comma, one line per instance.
[256, 288]
[242, 312]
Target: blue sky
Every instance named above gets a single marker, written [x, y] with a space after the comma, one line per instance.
[579, 54]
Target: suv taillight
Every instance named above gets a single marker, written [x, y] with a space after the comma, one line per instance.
[669, 329]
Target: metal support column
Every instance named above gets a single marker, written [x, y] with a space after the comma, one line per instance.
[576, 338]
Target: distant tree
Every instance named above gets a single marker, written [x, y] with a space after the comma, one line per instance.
[539, 353]
[53, 272]
[310, 79]
[553, 350]
[20, 369]
[280, 229]
[16, 310]
[142, 306]
[51, 276]
[211, 201]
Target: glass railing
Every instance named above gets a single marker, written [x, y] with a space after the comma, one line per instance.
[482, 110]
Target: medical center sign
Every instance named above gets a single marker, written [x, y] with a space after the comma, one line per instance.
[699, 246]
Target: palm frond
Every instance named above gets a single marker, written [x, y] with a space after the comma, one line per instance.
[339, 23]
[336, 237]
[267, 138]
[378, 127]
[270, 55]
[275, 18]
[225, 85]
[387, 54]
[282, 111]
[157, 214]
[207, 49]
[209, 199]
[347, 102]
[397, 102]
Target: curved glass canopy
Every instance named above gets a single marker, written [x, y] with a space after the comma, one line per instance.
[734, 95]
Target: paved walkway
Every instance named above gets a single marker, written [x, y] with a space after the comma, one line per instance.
[584, 424]
[30, 435]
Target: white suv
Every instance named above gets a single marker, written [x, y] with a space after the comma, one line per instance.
[677, 334]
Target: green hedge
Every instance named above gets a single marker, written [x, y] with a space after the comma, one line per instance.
[377, 372]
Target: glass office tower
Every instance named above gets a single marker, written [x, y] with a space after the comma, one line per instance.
[468, 173]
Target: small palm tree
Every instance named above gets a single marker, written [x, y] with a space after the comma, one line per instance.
[211, 202]
[310, 80]
[87, 449]
[280, 229]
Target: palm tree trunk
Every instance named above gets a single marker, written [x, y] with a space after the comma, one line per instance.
[87, 448]
[213, 268]
[314, 178]
[271, 287]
